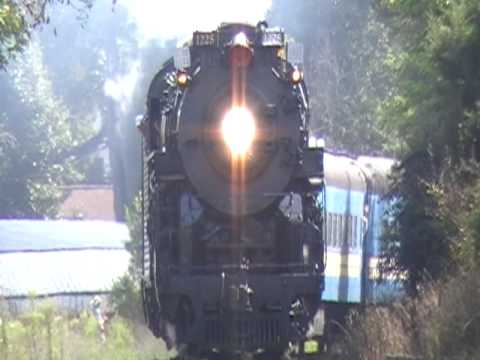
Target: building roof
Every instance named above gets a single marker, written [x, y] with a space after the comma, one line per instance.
[88, 202]
[24, 235]
[47, 258]
[60, 272]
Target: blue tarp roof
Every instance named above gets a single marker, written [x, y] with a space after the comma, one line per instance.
[24, 235]
[49, 273]
[54, 257]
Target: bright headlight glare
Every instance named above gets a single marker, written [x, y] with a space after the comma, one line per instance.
[182, 78]
[297, 76]
[238, 130]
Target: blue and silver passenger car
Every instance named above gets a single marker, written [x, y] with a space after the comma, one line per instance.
[355, 206]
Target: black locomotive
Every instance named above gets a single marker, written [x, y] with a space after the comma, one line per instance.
[233, 198]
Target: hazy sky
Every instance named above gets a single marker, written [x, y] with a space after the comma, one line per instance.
[167, 19]
[170, 19]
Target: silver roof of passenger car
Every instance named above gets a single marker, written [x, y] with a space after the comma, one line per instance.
[343, 172]
[347, 172]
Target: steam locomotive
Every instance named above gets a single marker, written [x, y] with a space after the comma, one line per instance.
[233, 199]
[255, 237]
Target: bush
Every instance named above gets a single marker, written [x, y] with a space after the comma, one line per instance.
[442, 323]
[46, 333]
[126, 299]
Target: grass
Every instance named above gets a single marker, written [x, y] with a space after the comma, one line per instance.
[46, 333]
[442, 323]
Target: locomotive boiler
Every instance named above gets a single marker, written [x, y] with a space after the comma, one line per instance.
[233, 198]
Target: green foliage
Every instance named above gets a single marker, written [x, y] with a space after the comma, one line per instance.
[45, 333]
[134, 245]
[458, 201]
[6, 142]
[344, 67]
[441, 323]
[434, 111]
[43, 134]
[93, 57]
[126, 299]
[98, 86]
[107, 82]
[416, 242]
[13, 35]
[34, 164]
[437, 78]
[19, 18]
[126, 292]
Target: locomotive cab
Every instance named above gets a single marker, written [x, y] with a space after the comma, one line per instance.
[233, 198]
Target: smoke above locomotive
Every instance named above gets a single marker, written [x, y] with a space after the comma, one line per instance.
[233, 196]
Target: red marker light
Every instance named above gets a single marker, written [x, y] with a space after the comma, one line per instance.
[240, 53]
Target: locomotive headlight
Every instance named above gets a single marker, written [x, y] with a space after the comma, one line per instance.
[182, 78]
[238, 130]
[296, 75]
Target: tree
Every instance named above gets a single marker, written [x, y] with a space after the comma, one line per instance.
[126, 291]
[344, 44]
[435, 110]
[40, 133]
[109, 78]
[99, 63]
[96, 59]
[13, 34]
[19, 18]
[416, 242]
[437, 78]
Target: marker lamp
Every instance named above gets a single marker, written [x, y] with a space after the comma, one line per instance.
[310, 346]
